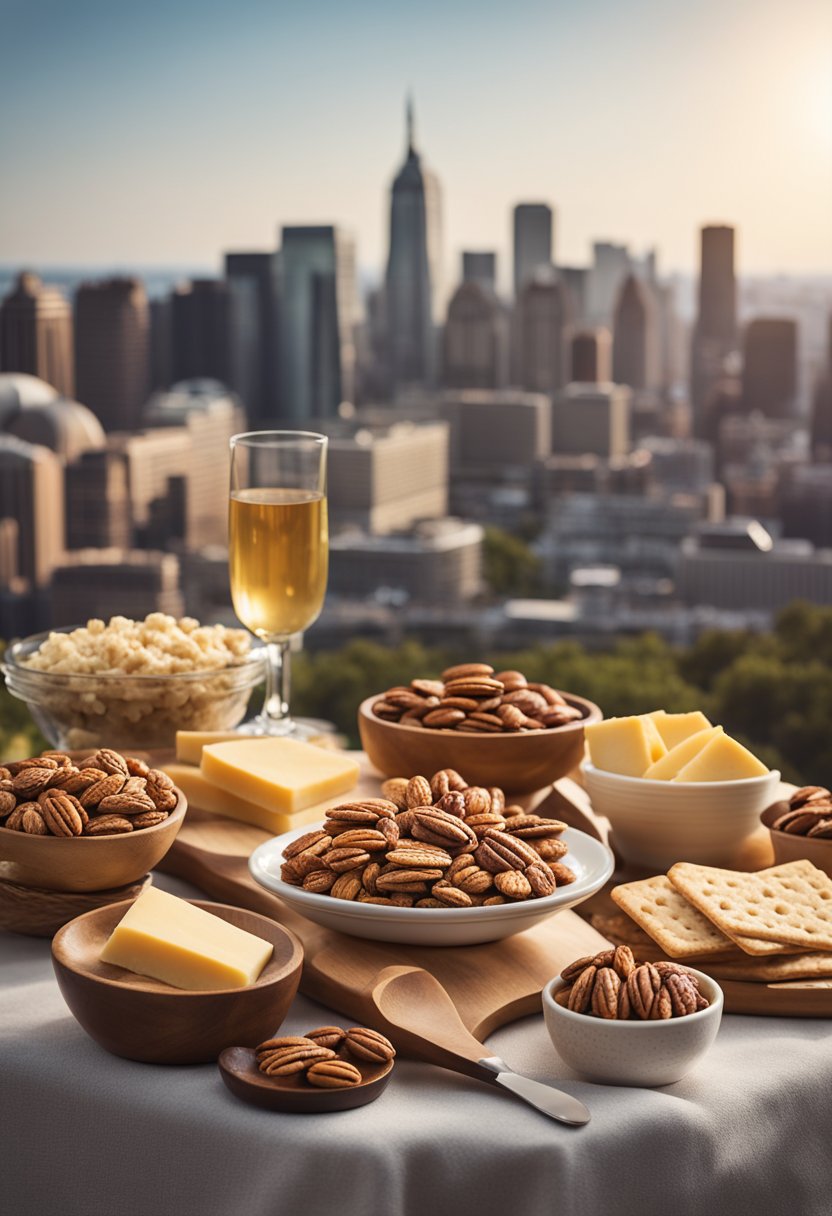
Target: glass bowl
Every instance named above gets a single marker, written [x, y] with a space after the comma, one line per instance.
[129, 711]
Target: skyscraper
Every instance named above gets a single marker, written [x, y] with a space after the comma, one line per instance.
[769, 371]
[252, 285]
[31, 512]
[591, 356]
[533, 243]
[715, 330]
[412, 281]
[200, 330]
[317, 303]
[542, 321]
[635, 342]
[480, 267]
[822, 406]
[36, 333]
[611, 264]
[475, 339]
[112, 350]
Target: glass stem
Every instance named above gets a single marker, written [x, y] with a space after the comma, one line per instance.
[276, 704]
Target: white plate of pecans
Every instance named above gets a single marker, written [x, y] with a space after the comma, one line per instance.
[590, 861]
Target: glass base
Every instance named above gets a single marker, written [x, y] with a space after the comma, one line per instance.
[290, 728]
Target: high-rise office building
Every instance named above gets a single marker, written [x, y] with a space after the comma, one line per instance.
[821, 420]
[317, 302]
[591, 419]
[31, 513]
[475, 345]
[611, 264]
[769, 370]
[112, 350]
[99, 511]
[576, 279]
[161, 343]
[533, 242]
[542, 334]
[715, 330]
[591, 356]
[253, 336]
[480, 267]
[36, 333]
[200, 330]
[413, 278]
[635, 340]
[493, 433]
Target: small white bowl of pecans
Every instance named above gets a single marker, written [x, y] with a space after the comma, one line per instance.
[620, 1022]
[433, 862]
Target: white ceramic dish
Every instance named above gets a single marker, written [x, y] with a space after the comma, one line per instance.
[657, 823]
[591, 861]
[633, 1052]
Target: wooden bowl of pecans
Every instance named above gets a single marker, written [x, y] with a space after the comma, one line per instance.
[90, 823]
[801, 826]
[493, 727]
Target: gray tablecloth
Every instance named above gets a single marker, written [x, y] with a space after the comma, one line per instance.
[85, 1134]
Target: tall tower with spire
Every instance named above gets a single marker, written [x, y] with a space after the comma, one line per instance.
[413, 271]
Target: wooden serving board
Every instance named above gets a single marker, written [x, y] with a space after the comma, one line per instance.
[491, 984]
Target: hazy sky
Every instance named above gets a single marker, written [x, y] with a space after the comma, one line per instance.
[170, 130]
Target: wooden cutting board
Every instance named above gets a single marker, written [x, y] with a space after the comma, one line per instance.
[491, 984]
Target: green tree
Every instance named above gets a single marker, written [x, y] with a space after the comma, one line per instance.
[509, 566]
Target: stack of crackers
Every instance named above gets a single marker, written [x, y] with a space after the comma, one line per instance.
[774, 925]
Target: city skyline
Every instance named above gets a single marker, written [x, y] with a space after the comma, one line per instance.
[129, 152]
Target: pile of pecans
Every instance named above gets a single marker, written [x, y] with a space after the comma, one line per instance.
[105, 794]
[613, 985]
[322, 1055]
[473, 699]
[807, 813]
[435, 843]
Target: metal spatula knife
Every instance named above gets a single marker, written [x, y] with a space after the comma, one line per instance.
[417, 1012]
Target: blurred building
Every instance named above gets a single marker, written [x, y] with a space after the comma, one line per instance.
[533, 242]
[591, 418]
[317, 308]
[591, 360]
[103, 583]
[36, 333]
[611, 264]
[384, 474]
[542, 334]
[576, 279]
[769, 369]
[112, 330]
[475, 339]
[99, 508]
[680, 466]
[200, 330]
[480, 267]
[821, 417]
[413, 277]
[253, 331]
[493, 433]
[805, 501]
[635, 343]
[739, 565]
[31, 514]
[67, 428]
[161, 343]
[436, 562]
[715, 330]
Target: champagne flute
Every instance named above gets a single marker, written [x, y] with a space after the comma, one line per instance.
[278, 552]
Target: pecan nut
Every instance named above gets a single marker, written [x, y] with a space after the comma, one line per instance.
[333, 1074]
[642, 985]
[63, 814]
[108, 825]
[605, 993]
[368, 1044]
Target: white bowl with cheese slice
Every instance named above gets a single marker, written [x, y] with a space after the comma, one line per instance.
[591, 861]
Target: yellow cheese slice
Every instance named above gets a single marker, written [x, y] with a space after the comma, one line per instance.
[173, 941]
[619, 745]
[722, 759]
[674, 728]
[203, 794]
[189, 743]
[279, 774]
[654, 740]
[680, 755]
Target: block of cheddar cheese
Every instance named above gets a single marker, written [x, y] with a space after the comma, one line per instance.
[672, 762]
[171, 940]
[722, 759]
[675, 728]
[205, 796]
[619, 745]
[655, 742]
[279, 774]
[189, 743]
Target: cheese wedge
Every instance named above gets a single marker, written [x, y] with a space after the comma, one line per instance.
[189, 743]
[279, 774]
[674, 728]
[205, 796]
[619, 745]
[171, 940]
[722, 759]
[654, 740]
[680, 755]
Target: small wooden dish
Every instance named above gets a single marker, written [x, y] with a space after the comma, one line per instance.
[518, 762]
[789, 846]
[143, 1019]
[88, 863]
[294, 1095]
[39, 913]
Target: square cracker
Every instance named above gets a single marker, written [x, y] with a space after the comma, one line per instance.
[679, 928]
[791, 904]
[789, 967]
